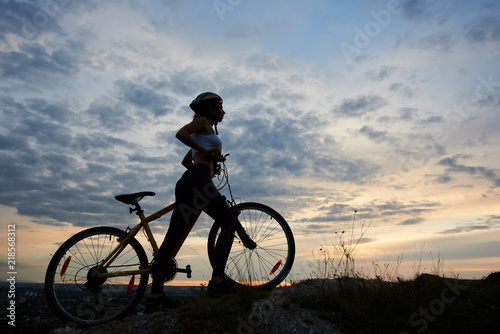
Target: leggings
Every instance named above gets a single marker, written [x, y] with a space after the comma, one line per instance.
[195, 191]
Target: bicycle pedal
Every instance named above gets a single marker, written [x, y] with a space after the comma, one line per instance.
[188, 271]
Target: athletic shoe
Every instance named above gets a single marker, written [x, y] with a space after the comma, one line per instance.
[215, 290]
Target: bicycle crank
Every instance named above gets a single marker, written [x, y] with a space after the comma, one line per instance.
[172, 271]
[186, 271]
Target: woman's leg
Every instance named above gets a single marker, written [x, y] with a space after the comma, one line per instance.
[175, 234]
[181, 220]
[220, 212]
[195, 191]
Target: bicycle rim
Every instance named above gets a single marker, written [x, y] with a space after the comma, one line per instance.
[269, 263]
[75, 296]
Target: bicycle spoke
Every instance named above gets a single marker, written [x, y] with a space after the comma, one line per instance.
[91, 299]
[267, 264]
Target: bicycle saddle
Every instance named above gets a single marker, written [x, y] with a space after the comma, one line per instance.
[133, 198]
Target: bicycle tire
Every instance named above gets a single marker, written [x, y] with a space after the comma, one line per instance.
[269, 263]
[101, 300]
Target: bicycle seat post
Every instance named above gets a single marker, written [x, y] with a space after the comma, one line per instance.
[138, 210]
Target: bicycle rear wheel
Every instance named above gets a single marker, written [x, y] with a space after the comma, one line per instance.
[76, 296]
[268, 264]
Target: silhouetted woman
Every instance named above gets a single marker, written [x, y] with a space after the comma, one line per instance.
[196, 192]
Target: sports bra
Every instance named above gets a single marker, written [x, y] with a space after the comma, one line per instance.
[209, 142]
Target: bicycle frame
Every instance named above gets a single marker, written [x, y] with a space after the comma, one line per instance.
[123, 241]
[144, 223]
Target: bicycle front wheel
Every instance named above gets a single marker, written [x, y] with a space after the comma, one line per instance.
[266, 265]
[78, 296]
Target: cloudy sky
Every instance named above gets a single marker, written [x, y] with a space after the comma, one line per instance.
[388, 108]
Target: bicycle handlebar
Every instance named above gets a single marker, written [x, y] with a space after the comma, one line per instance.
[221, 158]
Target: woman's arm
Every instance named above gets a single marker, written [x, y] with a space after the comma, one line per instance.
[184, 134]
[198, 125]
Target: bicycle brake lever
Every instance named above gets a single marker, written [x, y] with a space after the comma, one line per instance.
[222, 158]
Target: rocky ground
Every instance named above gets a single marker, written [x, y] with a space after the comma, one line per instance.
[428, 303]
[275, 314]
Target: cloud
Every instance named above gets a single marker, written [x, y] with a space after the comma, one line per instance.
[26, 19]
[412, 221]
[33, 20]
[187, 81]
[145, 98]
[443, 179]
[57, 175]
[53, 110]
[484, 172]
[45, 132]
[377, 136]
[39, 50]
[137, 157]
[259, 62]
[359, 106]
[491, 222]
[380, 74]
[267, 138]
[403, 89]
[317, 227]
[426, 10]
[432, 119]
[76, 173]
[365, 240]
[60, 188]
[13, 143]
[260, 173]
[442, 40]
[114, 117]
[395, 207]
[34, 66]
[237, 90]
[414, 8]
[373, 210]
[486, 29]
[407, 113]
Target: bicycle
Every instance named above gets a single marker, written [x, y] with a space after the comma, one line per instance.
[101, 274]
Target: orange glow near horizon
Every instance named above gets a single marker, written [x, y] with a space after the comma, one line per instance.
[36, 243]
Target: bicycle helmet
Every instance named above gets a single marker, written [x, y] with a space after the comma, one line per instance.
[203, 100]
[201, 103]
